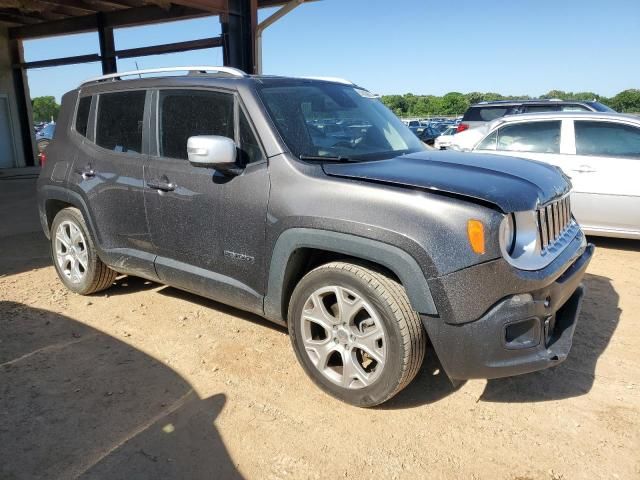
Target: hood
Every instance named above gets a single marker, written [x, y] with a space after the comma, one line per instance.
[511, 184]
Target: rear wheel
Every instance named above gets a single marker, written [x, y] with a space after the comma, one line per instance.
[355, 333]
[74, 255]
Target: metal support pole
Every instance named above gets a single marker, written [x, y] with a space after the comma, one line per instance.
[238, 33]
[268, 22]
[107, 47]
[23, 100]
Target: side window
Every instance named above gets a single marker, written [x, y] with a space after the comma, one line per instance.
[250, 150]
[119, 121]
[575, 108]
[187, 113]
[489, 143]
[535, 137]
[541, 108]
[607, 139]
[82, 115]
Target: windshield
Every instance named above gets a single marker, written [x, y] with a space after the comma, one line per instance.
[318, 119]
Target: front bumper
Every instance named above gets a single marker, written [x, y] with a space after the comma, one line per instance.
[520, 333]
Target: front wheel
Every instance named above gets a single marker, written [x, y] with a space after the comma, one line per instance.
[355, 333]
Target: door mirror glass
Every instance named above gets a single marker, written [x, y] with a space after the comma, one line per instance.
[212, 151]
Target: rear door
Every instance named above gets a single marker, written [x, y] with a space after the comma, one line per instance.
[605, 172]
[207, 228]
[109, 174]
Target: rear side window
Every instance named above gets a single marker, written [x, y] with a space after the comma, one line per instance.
[82, 116]
[119, 121]
[541, 108]
[535, 137]
[486, 114]
[187, 113]
[607, 139]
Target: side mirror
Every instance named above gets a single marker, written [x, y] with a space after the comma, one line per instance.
[213, 151]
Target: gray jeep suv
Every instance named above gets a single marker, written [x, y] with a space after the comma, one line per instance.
[357, 239]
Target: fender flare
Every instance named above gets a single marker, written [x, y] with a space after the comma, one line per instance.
[403, 265]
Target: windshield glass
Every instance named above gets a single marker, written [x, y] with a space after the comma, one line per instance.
[318, 119]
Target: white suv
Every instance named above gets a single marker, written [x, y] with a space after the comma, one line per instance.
[600, 152]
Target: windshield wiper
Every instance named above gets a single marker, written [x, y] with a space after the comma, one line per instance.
[328, 158]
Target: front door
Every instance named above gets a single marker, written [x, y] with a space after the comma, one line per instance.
[207, 227]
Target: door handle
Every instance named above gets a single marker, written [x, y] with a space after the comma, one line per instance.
[161, 185]
[584, 169]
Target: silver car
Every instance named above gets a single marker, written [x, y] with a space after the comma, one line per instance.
[600, 152]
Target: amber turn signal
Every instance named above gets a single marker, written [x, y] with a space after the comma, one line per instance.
[475, 232]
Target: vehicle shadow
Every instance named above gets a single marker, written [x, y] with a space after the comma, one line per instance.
[78, 403]
[125, 284]
[430, 385]
[596, 325]
[221, 307]
[616, 243]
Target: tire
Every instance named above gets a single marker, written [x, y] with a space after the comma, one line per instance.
[386, 340]
[74, 255]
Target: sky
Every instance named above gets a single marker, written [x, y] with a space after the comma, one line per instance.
[405, 46]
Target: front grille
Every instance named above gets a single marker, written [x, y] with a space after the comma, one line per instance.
[553, 220]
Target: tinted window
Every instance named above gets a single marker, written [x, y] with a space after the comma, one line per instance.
[82, 117]
[607, 139]
[574, 108]
[486, 114]
[541, 108]
[599, 107]
[538, 137]
[187, 113]
[119, 121]
[250, 150]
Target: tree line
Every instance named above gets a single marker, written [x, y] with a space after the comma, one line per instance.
[455, 103]
[410, 105]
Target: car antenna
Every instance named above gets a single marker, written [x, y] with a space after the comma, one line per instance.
[137, 68]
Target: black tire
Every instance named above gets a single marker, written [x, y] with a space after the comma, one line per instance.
[97, 276]
[404, 334]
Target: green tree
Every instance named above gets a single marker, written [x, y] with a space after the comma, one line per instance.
[454, 103]
[45, 109]
[626, 101]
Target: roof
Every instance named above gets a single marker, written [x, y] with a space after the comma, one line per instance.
[561, 115]
[37, 18]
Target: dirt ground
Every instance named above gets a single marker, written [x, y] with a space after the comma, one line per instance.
[145, 381]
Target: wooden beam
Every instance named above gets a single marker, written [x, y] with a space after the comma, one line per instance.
[119, 18]
[170, 48]
[213, 6]
[56, 62]
[87, 7]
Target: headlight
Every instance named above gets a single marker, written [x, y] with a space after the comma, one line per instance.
[507, 234]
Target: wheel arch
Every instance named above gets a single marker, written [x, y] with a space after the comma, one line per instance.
[299, 250]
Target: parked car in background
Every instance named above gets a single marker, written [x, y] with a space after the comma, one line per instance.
[600, 152]
[44, 136]
[428, 135]
[214, 184]
[484, 112]
[415, 126]
[444, 139]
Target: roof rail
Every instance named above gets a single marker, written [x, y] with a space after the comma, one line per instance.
[331, 79]
[234, 72]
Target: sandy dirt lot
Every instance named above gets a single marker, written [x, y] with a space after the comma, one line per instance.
[145, 381]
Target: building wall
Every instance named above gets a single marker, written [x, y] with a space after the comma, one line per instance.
[7, 88]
